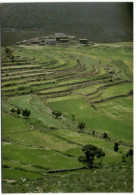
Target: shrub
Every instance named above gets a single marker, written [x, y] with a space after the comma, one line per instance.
[116, 146]
[12, 110]
[105, 135]
[130, 92]
[26, 113]
[73, 117]
[8, 51]
[18, 111]
[21, 88]
[93, 132]
[5, 166]
[56, 113]
[31, 90]
[81, 126]
[130, 154]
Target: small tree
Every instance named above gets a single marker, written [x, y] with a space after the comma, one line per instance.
[26, 113]
[116, 146]
[91, 152]
[124, 158]
[130, 153]
[8, 51]
[73, 117]
[81, 126]
[93, 132]
[56, 113]
[12, 58]
[12, 110]
[105, 135]
[18, 111]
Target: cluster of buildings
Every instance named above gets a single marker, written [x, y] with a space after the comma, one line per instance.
[57, 39]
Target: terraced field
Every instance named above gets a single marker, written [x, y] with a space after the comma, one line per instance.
[90, 84]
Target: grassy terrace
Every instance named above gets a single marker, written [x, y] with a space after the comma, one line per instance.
[66, 79]
[120, 89]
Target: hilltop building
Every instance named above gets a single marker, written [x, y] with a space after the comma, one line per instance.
[72, 37]
[63, 41]
[59, 36]
[83, 41]
[50, 41]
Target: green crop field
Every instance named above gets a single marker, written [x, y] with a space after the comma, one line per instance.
[92, 84]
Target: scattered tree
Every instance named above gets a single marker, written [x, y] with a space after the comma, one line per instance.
[18, 111]
[73, 117]
[81, 126]
[105, 135]
[8, 51]
[12, 58]
[26, 113]
[56, 113]
[93, 132]
[130, 153]
[116, 146]
[91, 152]
[130, 92]
[12, 110]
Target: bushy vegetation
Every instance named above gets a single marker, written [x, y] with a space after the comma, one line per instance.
[57, 114]
[81, 126]
[26, 113]
[116, 148]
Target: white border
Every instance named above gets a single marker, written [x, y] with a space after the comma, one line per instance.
[135, 79]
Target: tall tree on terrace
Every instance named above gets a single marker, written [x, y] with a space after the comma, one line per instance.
[91, 152]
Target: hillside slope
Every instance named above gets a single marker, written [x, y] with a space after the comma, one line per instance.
[99, 22]
[90, 84]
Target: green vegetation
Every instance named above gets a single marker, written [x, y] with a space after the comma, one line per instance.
[58, 102]
[91, 152]
[81, 126]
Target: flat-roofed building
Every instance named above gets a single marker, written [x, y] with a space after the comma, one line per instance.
[83, 41]
[50, 41]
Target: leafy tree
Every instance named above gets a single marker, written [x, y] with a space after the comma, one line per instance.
[130, 153]
[116, 147]
[81, 126]
[18, 111]
[91, 152]
[12, 110]
[56, 113]
[26, 113]
[105, 135]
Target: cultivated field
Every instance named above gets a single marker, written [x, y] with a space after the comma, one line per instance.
[90, 84]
